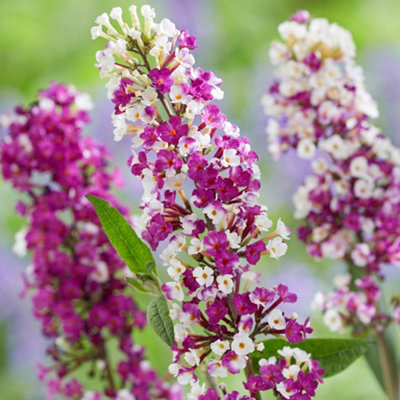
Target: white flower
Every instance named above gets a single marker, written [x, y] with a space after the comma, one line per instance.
[196, 391]
[188, 223]
[262, 222]
[230, 158]
[175, 290]
[103, 19]
[267, 361]
[336, 146]
[282, 230]
[192, 357]
[234, 239]
[242, 344]
[177, 95]
[176, 270]
[216, 369]
[365, 313]
[360, 254]
[292, 30]
[334, 248]
[167, 27]
[135, 34]
[181, 333]
[276, 320]
[149, 96]
[125, 394]
[20, 245]
[286, 392]
[363, 189]
[319, 166]
[116, 14]
[276, 247]
[204, 276]
[359, 167]
[306, 149]
[161, 47]
[301, 356]
[278, 53]
[186, 378]
[83, 102]
[184, 57]
[193, 108]
[196, 246]
[101, 273]
[147, 11]
[286, 352]
[119, 124]
[225, 283]
[105, 60]
[174, 182]
[216, 214]
[220, 346]
[333, 321]
[291, 372]
[260, 346]
[318, 302]
[96, 32]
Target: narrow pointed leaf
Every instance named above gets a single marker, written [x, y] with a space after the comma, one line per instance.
[130, 248]
[159, 319]
[334, 355]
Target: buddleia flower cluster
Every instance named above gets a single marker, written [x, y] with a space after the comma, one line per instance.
[76, 278]
[200, 188]
[318, 97]
[319, 106]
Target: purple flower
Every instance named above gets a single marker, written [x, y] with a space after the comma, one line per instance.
[162, 79]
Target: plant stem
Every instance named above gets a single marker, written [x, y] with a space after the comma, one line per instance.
[212, 382]
[389, 373]
[109, 374]
[249, 371]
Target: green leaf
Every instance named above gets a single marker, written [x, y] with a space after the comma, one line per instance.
[160, 321]
[130, 248]
[334, 355]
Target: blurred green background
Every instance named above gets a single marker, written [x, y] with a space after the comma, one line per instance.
[44, 40]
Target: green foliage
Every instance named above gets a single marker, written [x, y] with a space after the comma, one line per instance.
[334, 355]
[130, 248]
[159, 319]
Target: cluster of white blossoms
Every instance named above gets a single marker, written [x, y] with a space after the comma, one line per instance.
[318, 89]
[318, 105]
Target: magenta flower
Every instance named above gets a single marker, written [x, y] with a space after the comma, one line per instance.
[162, 79]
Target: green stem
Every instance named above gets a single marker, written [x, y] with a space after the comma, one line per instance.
[109, 374]
[212, 382]
[388, 370]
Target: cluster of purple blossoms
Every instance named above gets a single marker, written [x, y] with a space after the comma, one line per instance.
[76, 277]
[200, 189]
[319, 106]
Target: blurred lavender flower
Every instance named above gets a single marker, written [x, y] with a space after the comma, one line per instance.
[383, 76]
[24, 342]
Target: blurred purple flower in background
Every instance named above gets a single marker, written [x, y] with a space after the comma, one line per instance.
[383, 77]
